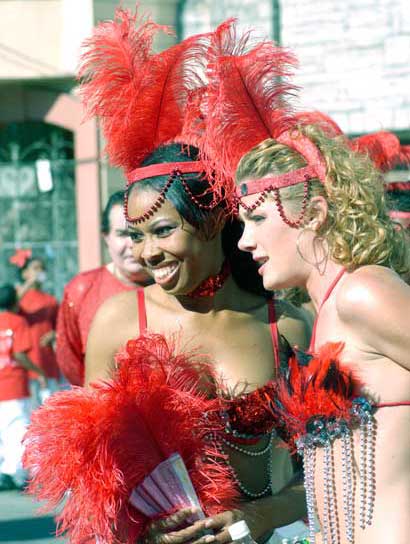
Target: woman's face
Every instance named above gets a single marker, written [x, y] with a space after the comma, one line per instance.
[34, 272]
[169, 248]
[273, 245]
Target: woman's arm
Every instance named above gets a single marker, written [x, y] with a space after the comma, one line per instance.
[115, 322]
[375, 301]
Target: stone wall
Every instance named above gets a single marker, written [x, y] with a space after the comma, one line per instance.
[354, 60]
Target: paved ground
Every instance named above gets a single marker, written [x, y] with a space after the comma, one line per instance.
[19, 522]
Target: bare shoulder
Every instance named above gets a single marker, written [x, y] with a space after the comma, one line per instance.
[374, 301]
[369, 290]
[293, 323]
[119, 305]
[115, 322]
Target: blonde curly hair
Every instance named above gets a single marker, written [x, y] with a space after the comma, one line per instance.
[358, 229]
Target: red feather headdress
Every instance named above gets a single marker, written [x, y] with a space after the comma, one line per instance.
[245, 101]
[140, 96]
[383, 148]
[88, 448]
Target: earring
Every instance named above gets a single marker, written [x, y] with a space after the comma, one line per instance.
[320, 250]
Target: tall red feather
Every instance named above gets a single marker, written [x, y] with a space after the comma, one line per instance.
[88, 448]
[139, 96]
[245, 101]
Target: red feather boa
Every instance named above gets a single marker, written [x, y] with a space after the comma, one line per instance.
[91, 447]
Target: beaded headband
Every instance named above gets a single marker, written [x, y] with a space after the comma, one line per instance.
[174, 170]
[316, 169]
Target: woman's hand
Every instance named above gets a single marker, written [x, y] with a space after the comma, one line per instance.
[164, 531]
[219, 524]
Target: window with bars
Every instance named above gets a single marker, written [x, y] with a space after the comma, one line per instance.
[37, 200]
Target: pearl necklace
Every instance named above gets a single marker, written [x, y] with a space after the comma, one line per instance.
[267, 449]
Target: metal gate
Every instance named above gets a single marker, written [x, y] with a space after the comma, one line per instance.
[37, 200]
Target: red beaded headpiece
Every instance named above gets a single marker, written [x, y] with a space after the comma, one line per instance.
[174, 170]
[245, 104]
[140, 97]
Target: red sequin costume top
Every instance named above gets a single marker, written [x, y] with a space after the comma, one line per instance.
[40, 311]
[83, 295]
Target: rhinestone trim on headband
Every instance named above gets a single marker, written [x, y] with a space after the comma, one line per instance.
[276, 195]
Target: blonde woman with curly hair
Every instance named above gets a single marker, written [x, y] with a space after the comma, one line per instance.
[314, 217]
[331, 234]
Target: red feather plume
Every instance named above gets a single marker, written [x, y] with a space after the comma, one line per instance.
[404, 155]
[139, 96]
[245, 101]
[88, 448]
[320, 388]
[383, 149]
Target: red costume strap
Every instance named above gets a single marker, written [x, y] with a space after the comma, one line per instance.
[163, 169]
[142, 311]
[142, 322]
[392, 404]
[325, 298]
[274, 333]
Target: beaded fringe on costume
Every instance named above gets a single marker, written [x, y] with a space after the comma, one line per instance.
[322, 434]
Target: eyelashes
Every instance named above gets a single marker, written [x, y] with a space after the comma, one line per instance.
[159, 232]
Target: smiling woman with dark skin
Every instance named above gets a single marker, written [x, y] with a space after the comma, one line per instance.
[181, 245]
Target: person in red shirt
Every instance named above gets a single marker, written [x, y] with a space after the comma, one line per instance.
[85, 293]
[40, 311]
[15, 345]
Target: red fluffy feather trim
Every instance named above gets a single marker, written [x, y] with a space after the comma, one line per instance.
[398, 186]
[139, 96]
[245, 101]
[383, 148]
[321, 388]
[88, 448]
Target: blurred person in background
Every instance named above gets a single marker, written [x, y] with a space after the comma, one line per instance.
[15, 347]
[85, 293]
[40, 311]
[398, 196]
